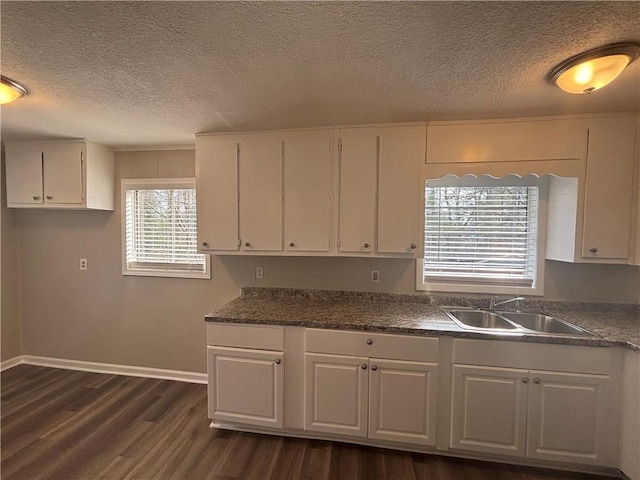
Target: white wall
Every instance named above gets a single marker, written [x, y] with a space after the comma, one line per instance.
[100, 315]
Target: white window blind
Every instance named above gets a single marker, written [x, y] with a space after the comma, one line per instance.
[160, 225]
[481, 234]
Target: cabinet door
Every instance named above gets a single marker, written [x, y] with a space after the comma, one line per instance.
[402, 153]
[63, 174]
[567, 417]
[357, 157]
[260, 179]
[489, 410]
[336, 394]
[246, 386]
[217, 192]
[609, 189]
[24, 177]
[307, 180]
[402, 403]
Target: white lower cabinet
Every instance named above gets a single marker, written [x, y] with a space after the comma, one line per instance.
[337, 394]
[489, 410]
[246, 386]
[402, 405]
[382, 399]
[535, 414]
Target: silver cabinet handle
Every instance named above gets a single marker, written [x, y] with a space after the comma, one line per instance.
[364, 366]
[369, 342]
[278, 361]
[537, 381]
[36, 197]
[374, 367]
[525, 380]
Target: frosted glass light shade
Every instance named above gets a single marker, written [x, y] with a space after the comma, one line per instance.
[594, 69]
[11, 90]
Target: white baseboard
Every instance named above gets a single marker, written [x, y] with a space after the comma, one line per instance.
[12, 362]
[111, 368]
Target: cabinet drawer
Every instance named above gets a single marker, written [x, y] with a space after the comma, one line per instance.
[379, 345]
[259, 337]
[532, 356]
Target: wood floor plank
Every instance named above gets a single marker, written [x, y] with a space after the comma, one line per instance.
[66, 425]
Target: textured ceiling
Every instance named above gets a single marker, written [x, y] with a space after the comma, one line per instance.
[155, 73]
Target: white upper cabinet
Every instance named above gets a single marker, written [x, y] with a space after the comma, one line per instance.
[590, 216]
[380, 182]
[64, 174]
[609, 189]
[402, 154]
[358, 156]
[260, 187]
[217, 192]
[308, 173]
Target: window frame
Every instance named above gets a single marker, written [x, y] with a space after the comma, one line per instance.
[128, 184]
[451, 286]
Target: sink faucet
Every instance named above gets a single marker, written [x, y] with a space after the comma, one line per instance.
[493, 303]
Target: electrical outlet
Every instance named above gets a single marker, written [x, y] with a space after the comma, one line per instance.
[375, 276]
[259, 273]
[83, 264]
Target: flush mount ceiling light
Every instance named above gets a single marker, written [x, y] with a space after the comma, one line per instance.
[592, 70]
[11, 90]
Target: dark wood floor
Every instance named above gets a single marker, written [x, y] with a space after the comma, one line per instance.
[62, 424]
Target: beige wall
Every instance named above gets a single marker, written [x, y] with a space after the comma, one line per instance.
[9, 280]
[100, 315]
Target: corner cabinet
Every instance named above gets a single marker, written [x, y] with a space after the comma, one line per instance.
[59, 175]
[379, 178]
[560, 413]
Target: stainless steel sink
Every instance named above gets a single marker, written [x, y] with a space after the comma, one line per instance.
[479, 319]
[540, 322]
[512, 322]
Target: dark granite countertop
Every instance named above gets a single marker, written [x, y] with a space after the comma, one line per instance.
[614, 324]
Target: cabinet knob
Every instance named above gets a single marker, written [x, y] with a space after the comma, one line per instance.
[525, 380]
[247, 244]
[364, 366]
[369, 342]
[278, 361]
[36, 197]
[413, 246]
[374, 367]
[205, 244]
[49, 197]
[366, 245]
[593, 250]
[291, 244]
[537, 381]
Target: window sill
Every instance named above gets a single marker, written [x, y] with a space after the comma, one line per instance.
[167, 273]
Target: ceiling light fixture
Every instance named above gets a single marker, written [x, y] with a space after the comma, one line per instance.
[11, 90]
[593, 69]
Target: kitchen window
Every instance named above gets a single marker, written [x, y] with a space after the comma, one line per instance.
[483, 235]
[159, 229]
